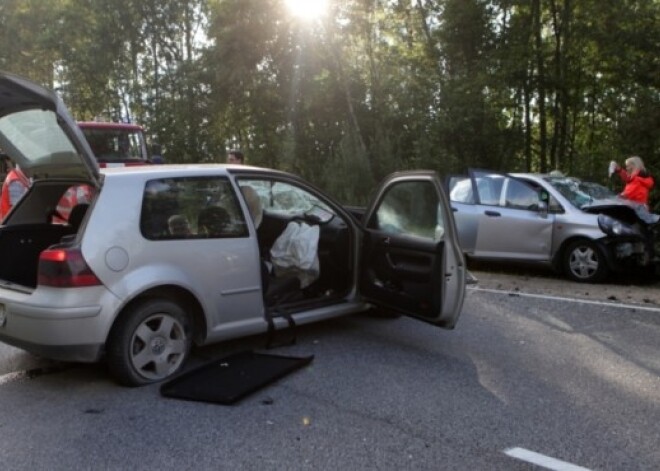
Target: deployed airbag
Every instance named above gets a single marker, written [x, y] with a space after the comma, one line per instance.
[295, 252]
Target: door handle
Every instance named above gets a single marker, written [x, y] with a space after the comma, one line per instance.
[492, 213]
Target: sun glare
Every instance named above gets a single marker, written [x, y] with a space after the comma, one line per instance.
[307, 9]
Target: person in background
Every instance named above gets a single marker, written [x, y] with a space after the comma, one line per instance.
[235, 157]
[156, 155]
[638, 182]
[13, 188]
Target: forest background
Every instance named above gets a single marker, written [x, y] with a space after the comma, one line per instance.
[371, 87]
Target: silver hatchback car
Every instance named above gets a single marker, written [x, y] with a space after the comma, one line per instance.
[159, 258]
[582, 229]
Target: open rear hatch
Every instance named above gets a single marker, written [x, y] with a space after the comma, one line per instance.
[39, 135]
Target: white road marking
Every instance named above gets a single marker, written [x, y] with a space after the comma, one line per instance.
[542, 460]
[572, 300]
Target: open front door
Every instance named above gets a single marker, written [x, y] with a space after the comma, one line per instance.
[411, 261]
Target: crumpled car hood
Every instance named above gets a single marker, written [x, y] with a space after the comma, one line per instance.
[618, 208]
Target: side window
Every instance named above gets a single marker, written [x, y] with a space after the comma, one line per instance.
[520, 195]
[410, 208]
[191, 208]
[489, 189]
[460, 190]
[281, 198]
[553, 205]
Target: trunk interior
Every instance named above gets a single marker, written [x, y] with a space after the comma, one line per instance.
[20, 246]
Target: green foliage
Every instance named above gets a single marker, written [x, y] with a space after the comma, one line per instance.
[373, 87]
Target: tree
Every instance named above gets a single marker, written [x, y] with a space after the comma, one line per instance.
[376, 86]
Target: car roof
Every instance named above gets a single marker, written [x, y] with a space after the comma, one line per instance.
[169, 170]
[530, 175]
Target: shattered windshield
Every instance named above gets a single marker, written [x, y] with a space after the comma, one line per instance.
[285, 198]
[578, 192]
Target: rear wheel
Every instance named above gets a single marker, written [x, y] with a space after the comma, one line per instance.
[149, 343]
[585, 262]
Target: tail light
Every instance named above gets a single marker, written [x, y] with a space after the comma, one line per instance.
[65, 268]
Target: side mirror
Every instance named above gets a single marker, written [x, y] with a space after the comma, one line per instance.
[543, 209]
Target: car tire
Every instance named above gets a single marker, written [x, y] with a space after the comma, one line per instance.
[149, 343]
[583, 261]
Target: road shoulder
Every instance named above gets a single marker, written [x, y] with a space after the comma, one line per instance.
[538, 281]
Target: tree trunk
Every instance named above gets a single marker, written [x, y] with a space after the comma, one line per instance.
[540, 85]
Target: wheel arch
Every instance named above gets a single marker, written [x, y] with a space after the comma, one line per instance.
[603, 272]
[560, 254]
[183, 297]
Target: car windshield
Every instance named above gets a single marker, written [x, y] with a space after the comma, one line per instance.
[115, 145]
[279, 197]
[578, 192]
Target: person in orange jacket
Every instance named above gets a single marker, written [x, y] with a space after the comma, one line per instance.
[13, 188]
[638, 182]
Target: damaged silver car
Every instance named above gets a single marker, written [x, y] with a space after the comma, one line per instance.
[165, 257]
[581, 229]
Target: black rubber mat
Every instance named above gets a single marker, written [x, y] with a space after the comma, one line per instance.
[230, 379]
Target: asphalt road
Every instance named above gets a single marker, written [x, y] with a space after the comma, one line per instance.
[578, 383]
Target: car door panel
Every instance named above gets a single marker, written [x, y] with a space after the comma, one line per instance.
[510, 226]
[467, 225]
[413, 266]
[402, 272]
[411, 261]
[513, 234]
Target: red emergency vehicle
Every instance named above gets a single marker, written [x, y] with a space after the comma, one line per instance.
[114, 145]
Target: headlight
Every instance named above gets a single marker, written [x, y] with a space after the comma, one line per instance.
[611, 226]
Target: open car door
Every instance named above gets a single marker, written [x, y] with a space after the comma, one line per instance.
[411, 262]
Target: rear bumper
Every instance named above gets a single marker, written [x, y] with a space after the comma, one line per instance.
[61, 325]
[54, 333]
[77, 353]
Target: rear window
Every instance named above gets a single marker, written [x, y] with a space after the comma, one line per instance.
[37, 138]
[191, 208]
